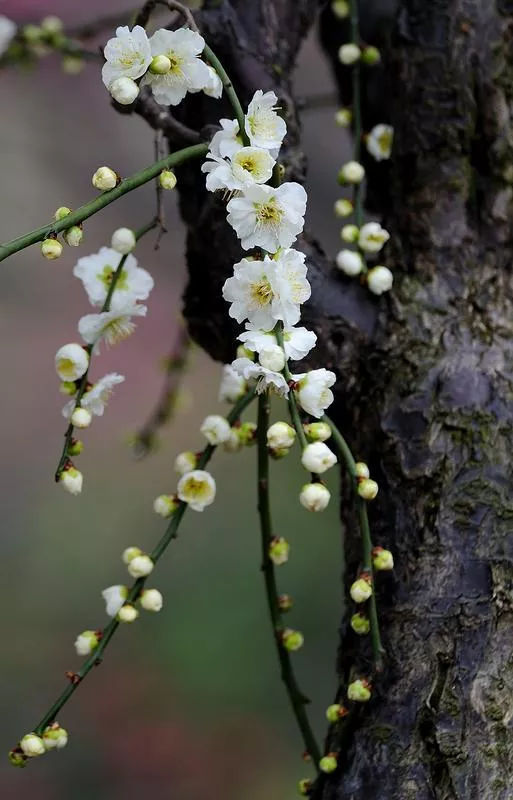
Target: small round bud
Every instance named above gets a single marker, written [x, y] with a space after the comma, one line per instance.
[124, 91]
[32, 33]
[69, 388]
[51, 25]
[317, 458]
[349, 262]
[272, 358]
[350, 234]
[379, 280]
[61, 212]
[336, 712]
[71, 363]
[86, 642]
[359, 691]
[340, 8]
[349, 54]
[130, 553]
[123, 241]
[55, 737]
[185, 462]
[72, 480]
[151, 600]
[314, 497]
[140, 566]
[75, 447]
[165, 505]
[216, 429]
[17, 758]
[247, 433]
[368, 489]
[361, 590]
[328, 763]
[361, 470]
[344, 117]
[81, 418]
[382, 559]
[72, 65]
[160, 65]
[51, 248]
[343, 208]
[371, 56]
[304, 787]
[280, 435]
[284, 602]
[352, 173]
[73, 236]
[360, 624]
[32, 745]
[292, 640]
[233, 444]
[127, 613]
[167, 179]
[317, 431]
[279, 550]
[104, 179]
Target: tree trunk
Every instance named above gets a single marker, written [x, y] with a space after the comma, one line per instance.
[425, 381]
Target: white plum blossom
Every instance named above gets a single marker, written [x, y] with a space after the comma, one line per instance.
[372, 237]
[268, 217]
[264, 127]
[97, 397]
[7, 33]
[32, 745]
[151, 600]
[317, 457]
[232, 385]
[185, 462]
[140, 566]
[297, 342]
[379, 280]
[71, 362]
[115, 597]
[314, 497]
[96, 273]
[128, 55]
[216, 429]
[72, 480]
[272, 358]
[227, 141]
[197, 488]
[313, 390]
[265, 378]
[248, 166]
[379, 142]
[123, 241]
[352, 172]
[280, 435]
[349, 53]
[124, 91]
[86, 642]
[113, 326]
[214, 86]
[188, 73]
[349, 262]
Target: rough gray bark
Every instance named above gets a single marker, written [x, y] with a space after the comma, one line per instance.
[425, 383]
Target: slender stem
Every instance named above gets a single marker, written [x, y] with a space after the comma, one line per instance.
[293, 407]
[84, 212]
[171, 532]
[361, 506]
[82, 386]
[229, 89]
[296, 697]
[357, 112]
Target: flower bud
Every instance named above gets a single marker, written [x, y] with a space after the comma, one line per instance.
[55, 737]
[317, 458]
[167, 179]
[130, 553]
[115, 597]
[127, 613]
[284, 602]
[343, 207]
[61, 212]
[371, 56]
[304, 787]
[73, 236]
[292, 640]
[328, 763]
[75, 447]
[336, 712]
[17, 758]
[165, 505]
[379, 280]
[360, 624]
[151, 600]
[247, 433]
[71, 363]
[32, 33]
[185, 462]
[361, 590]
[160, 65]
[105, 179]
[350, 262]
[372, 237]
[52, 25]
[368, 489]
[280, 435]
[361, 470]
[216, 429]
[51, 248]
[81, 418]
[382, 559]
[140, 566]
[72, 480]
[359, 691]
[340, 8]
[32, 745]
[69, 388]
[233, 444]
[124, 91]
[352, 172]
[272, 358]
[350, 233]
[344, 117]
[349, 54]
[86, 642]
[314, 497]
[279, 551]
[123, 241]
[317, 431]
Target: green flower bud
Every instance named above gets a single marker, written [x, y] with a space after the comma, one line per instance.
[328, 763]
[343, 207]
[167, 179]
[284, 602]
[279, 551]
[304, 787]
[336, 712]
[371, 56]
[75, 447]
[317, 431]
[17, 758]
[359, 691]
[362, 470]
[247, 433]
[368, 489]
[160, 65]
[360, 624]
[61, 212]
[361, 590]
[382, 559]
[292, 640]
[51, 248]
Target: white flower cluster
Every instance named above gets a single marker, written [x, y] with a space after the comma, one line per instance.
[72, 360]
[169, 62]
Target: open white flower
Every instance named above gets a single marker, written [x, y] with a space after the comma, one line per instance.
[115, 597]
[7, 32]
[96, 272]
[263, 125]
[113, 326]
[379, 142]
[197, 488]
[227, 141]
[188, 72]
[265, 378]
[297, 342]
[266, 217]
[128, 55]
[232, 385]
[313, 390]
[214, 86]
[248, 165]
[71, 362]
[216, 429]
[96, 398]
[372, 237]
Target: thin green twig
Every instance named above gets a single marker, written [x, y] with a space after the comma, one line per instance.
[293, 407]
[229, 89]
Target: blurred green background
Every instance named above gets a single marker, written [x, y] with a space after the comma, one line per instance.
[188, 703]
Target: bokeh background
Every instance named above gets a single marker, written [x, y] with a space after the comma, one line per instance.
[187, 703]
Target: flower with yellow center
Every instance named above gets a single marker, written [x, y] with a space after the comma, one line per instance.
[248, 165]
[263, 125]
[96, 272]
[268, 217]
[379, 142]
[71, 362]
[113, 326]
[128, 55]
[197, 489]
